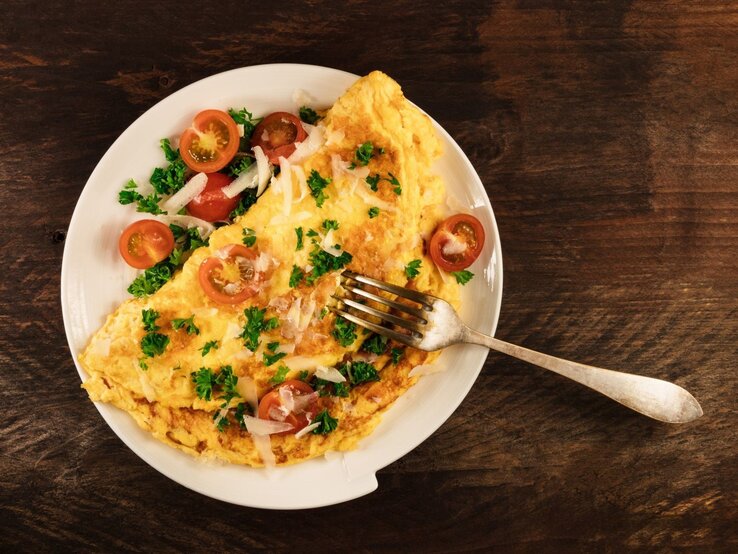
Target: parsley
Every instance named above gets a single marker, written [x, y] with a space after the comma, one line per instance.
[344, 332]
[327, 423]
[189, 239]
[373, 212]
[242, 409]
[149, 320]
[412, 269]
[363, 154]
[208, 346]
[463, 276]
[296, 276]
[249, 237]
[298, 232]
[316, 184]
[204, 380]
[172, 178]
[239, 165]
[272, 346]
[176, 258]
[340, 389]
[312, 234]
[393, 181]
[329, 224]
[149, 204]
[323, 313]
[361, 372]
[270, 359]
[376, 344]
[245, 118]
[255, 324]
[187, 324]
[151, 280]
[309, 115]
[373, 181]
[303, 375]
[396, 354]
[323, 263]
[248, 199]
[228, 381]
[280, 375]
[142, 364]
[154, 344]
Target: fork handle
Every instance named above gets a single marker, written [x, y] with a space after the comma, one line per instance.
[654, 398]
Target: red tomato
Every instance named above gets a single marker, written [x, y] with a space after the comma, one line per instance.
[229, 277]
[211, 142]
[277, 135]
[457, 242]
[146, 242]
[299, 418]
[211, 204]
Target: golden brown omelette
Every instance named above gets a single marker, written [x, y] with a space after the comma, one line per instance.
[160, 392]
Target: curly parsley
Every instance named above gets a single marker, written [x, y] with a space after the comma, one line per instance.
[208, 346]
[154, 344]
[309, 115]
[149, 318]
[298, 232]
[373, 212]
[316, 184]
[249, 237]
[327, 423]
[373, 181]
[170, 179]
[329, 224]
[375, 344]
[344, 331]
[323, 263]
[280, 375]
[255, 324]
[412, 269]
[296, 276]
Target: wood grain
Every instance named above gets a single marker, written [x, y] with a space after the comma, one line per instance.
[605, 133]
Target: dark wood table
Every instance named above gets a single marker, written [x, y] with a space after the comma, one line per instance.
[606, 133]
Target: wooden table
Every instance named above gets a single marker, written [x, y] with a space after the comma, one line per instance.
[606, 133]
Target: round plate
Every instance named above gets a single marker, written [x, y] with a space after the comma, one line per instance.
[94, 281]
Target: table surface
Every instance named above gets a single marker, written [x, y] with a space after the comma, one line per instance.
[605, 133]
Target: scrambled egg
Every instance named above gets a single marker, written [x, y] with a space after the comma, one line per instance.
[162, 398]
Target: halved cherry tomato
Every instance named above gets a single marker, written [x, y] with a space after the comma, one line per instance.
[211, 204]
[457, 242]
[229, 277]
[210, 143]
[146, 242]
[271, 403]
[277, 135]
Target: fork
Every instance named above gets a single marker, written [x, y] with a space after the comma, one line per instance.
[434, 324]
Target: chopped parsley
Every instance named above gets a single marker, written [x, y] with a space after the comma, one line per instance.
[373, 181]
[393, 181]
[245, 118]
[329, 224]
[361, 372]
[309, 115]
[303, 375]
[204, 380]
[323, 263]
[149, 318]
[270, 359]
[463, 276]
[280, 375]
[327, 423]
[142, 364]
[312, 234]
[242, 409]
[412, 269]
[239, 165]
[363, 154]
[170, 179]
[154, 344]
[296, 276]
[344, 331]
[255, 324]
[249, 237]
[396, 354]
[208, 346]
[373, 212]
[272, 346]
[375, 344]
[298, 232]
[187, 324]
[316, 184]
[248, 199]
[323, 313]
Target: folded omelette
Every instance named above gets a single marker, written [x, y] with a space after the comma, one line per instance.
[161, 394]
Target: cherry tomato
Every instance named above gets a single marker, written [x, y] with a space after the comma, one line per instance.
[210, 143]
[229, 277]
[146, 242]
[277, 135]
[457, 242]
[211, 204]
[298, 420]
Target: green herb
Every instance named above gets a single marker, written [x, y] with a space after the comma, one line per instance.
[187, 324]
[312, 234]
[204, 380]
[344, 332]
[303, 375]
[272, 346]
[228, 381]
[248, 199]
[327, 423]
[142, 364]
[329, 224]
[375, 344]
[129, 195]
[393, 181]
[296, 276]
[463, 276]
[188, 239]
[323, 263]
[298, 232]
[396, 354]
[255, 324]
[363, 154]
[373, 212]
[270, 359]
[340, 389]
[154, 344]
[177, 367]
[412, 269]
[208, 346]
[151, 280]
[176, 258]
[170, 179]
[149, 318]
[362, 372]
[280, 375]
[170, 153]
[373, 181]
[316, 184]
[242, 409]
[239, 165]
[149, 204]
[323, 313]
[245, 118]
[327, 388]
[249, 237]
[309, 115]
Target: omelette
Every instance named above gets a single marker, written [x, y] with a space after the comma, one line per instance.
[285, 331]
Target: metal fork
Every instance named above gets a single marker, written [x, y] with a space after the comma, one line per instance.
[434, 324]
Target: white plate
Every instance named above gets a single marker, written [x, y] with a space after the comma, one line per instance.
[94, 281]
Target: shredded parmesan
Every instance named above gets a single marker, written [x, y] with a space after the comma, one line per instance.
[249, 179]
[305, 430]
[187, 221]
[186, 194]
[328, 244]
[263, 445]
[264, 169]
[258, 426]
[329, 374]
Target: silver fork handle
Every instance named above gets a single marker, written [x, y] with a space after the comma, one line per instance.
[655, 398]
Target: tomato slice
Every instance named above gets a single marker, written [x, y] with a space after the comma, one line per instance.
[229, 277]
[211, 204]
[457, 242]
[277, 135]
[271, 407]
[210, 143]
[145, 243]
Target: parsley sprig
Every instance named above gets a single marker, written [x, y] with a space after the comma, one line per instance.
[255, 324]
[316, 183]
[412, 269]
[463, 276]
[344, 331]
[153, 343]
